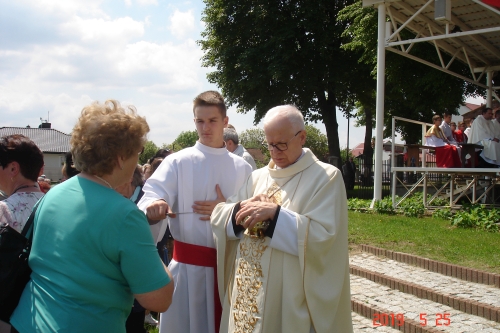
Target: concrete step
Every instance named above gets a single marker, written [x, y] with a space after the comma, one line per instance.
[394, 295]
[409, 308]
[363, 324]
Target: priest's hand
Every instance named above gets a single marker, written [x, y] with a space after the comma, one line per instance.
[256, 211]
[206, 208]
[258, 197]
[157, 211]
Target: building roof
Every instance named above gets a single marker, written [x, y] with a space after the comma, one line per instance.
[472, 106]
[360, 147]
[358, 150]
[47, 139]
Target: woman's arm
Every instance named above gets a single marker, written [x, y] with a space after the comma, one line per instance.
[158, 300]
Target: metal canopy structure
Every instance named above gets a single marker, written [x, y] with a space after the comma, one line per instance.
[460, 30]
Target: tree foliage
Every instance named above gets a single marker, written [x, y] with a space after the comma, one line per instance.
[252, 138]
[184, 140]
[317, 142]
[267, 53]
[150, 150]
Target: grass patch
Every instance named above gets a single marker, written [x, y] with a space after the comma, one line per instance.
[429, 237]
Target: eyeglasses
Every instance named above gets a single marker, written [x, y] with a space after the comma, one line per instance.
[142, 151]
[280, 146]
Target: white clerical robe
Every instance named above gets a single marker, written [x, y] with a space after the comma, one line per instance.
[496, 127]
[483, 132]
[184, 177]
[301, 287]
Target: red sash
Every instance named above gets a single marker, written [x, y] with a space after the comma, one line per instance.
[201, 256]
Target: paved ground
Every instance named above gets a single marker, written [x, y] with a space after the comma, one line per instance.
[449, 285]
[411, 307]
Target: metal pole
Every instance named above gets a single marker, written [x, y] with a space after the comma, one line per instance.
[379, 142]
[489, 83]
[347, 154]
[393, 163]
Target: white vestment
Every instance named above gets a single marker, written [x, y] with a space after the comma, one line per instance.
[182, 178]
[242, 152]
[496, 127]
[483, 132]
[467, 131]
[299, 287]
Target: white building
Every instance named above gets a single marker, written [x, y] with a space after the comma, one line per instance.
[53, 144]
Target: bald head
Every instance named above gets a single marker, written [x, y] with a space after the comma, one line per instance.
[286, 115]
[285, 134]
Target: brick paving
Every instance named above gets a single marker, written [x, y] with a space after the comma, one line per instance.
[380, 289]
[444, 284]
[363, 324]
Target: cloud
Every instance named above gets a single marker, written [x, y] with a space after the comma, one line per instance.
[59, 56]
[181, 23]
[100, 30]
[147, 2]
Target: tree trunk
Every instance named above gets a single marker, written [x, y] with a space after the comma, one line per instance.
[329, 115]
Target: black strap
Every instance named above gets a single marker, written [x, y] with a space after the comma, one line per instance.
[28, 227]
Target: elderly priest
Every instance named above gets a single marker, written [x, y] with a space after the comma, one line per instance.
[483, 132]
[282, 252]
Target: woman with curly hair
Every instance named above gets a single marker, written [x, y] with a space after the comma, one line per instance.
[92, 248]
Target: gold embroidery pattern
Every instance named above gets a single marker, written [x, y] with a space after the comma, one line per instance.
[249, 277]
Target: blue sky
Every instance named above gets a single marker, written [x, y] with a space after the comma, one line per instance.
[57, 56]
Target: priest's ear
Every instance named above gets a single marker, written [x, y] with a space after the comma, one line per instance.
[302, 137]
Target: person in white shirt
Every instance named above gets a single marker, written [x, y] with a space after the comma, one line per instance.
[232, 144]
[186, 187]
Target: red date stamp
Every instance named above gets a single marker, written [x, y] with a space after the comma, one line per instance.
[388, 319]
[442, 319]
[398, 319]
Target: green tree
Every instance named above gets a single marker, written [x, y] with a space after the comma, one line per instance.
[317, 142]
[252, 138]
[185, 139]
[255, 138]
[345, 154]
[267, 53]
[150, 150]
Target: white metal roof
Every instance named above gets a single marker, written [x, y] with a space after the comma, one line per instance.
[476, 43]
[47, 139]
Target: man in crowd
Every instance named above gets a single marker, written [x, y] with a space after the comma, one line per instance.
[186, 187]
[483, 133]
[232, 144]
[448, 131]
[282, 240]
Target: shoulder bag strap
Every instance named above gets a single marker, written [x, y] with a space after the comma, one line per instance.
[28, 227]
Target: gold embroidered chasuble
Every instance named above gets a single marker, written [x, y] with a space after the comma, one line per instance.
[267, 290]
[436, 131]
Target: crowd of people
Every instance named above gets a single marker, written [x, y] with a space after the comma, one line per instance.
[483, 130]
[238, 238]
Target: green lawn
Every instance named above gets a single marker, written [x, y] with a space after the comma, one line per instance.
[429, 237]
